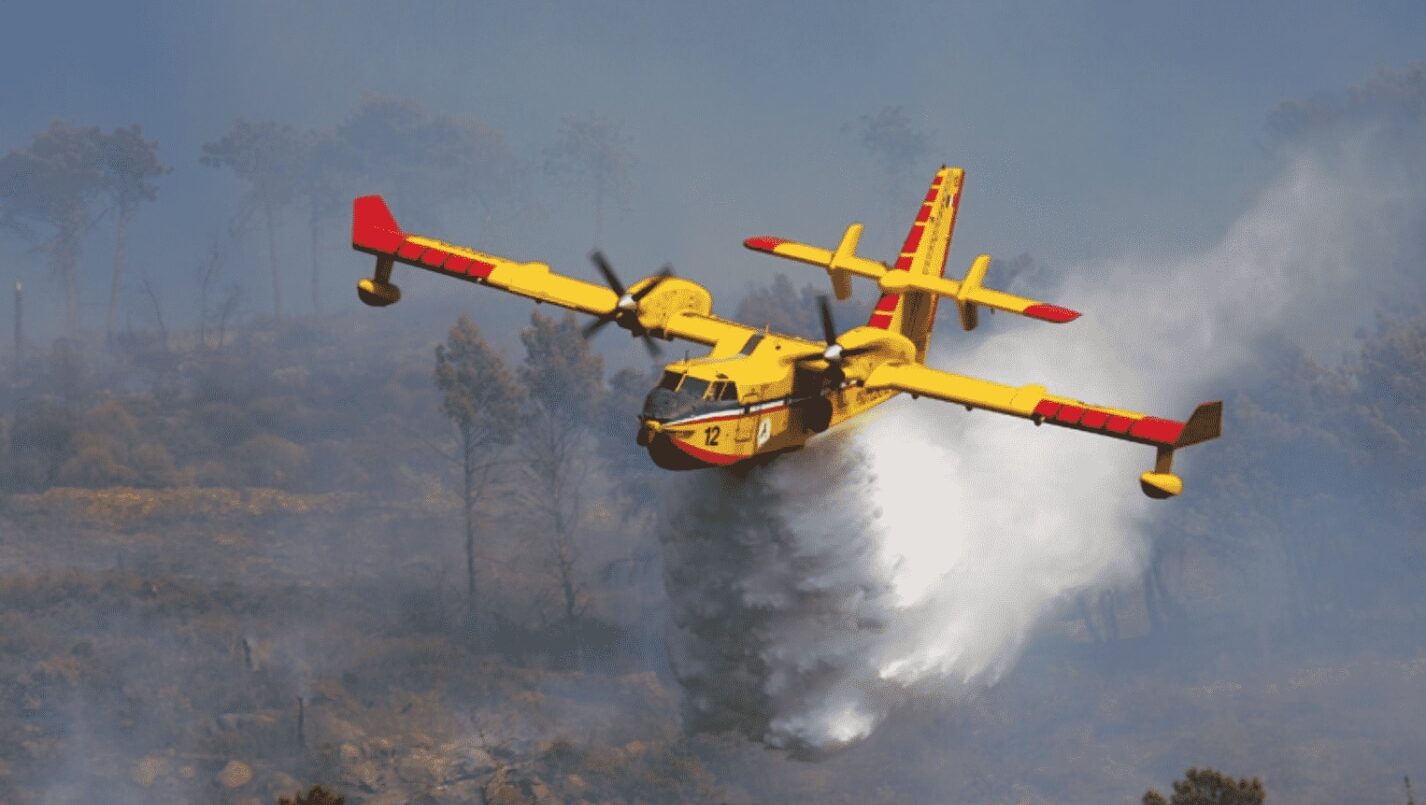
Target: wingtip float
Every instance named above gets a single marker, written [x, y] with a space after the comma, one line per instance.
[756, 394]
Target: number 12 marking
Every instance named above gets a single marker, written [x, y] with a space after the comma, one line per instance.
[710, 435]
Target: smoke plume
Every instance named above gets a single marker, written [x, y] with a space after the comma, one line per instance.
[917, 554]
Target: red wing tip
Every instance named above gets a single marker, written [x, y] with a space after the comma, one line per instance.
[763, 244]
[1054, 313]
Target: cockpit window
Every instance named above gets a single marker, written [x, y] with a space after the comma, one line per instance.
[695, 387]
[670, 381]
[752, 343]
[730, 392]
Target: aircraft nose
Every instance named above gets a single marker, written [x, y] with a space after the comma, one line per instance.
[661, 405]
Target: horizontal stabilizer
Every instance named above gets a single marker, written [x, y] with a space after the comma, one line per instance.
[968, 293]
[841, 262]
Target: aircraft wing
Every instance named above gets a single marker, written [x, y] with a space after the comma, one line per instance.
[1034, 403]
[679, 308]
[374, 231]
[705, 328]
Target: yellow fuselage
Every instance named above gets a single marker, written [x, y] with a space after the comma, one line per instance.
[763, 397]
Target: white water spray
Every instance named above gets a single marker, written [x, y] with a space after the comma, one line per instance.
[916, 555]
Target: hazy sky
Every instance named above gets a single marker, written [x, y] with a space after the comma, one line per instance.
[1087, 129]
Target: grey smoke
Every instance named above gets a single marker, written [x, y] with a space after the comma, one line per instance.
[916, 555]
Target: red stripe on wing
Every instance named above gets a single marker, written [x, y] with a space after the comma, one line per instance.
[1118, 424]
[435, 258]
[1153, 429]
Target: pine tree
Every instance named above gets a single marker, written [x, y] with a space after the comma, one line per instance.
[1210, 787]
[483, 401]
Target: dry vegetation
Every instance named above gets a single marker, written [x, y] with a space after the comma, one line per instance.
[230, 574]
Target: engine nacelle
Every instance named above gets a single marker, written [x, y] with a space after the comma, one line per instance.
[672, 297]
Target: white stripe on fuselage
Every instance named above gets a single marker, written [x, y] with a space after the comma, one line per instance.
[749, 410]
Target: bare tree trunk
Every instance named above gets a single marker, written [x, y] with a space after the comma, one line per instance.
[564, 565]
[121, 232]
[560, 468]
[1168, 606]
[301, 721]
[230, 304]
[67, 264]
[272, 256]
[157, 311]
[477, 464]
[1151, 602]
[19, 323]
[204, 280]
[316, 240]
[468, 495]
[564, 506]
[1109, 611]
[1088, 618]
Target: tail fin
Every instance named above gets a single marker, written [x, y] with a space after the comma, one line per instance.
[912, 312]
[912, 286]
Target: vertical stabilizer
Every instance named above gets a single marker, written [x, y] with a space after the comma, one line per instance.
[913, 312]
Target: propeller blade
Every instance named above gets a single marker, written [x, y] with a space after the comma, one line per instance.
[595, 326]
[664, 273]
[603, 265]
[652, 346]
[828, 328]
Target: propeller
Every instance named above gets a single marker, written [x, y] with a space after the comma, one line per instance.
[834, 354]
[626, 310]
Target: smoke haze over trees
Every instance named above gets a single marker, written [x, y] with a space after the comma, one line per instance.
[55, 183]
[217, 532]
[592, 154]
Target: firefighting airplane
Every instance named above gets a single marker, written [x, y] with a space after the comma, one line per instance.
[757, 393]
